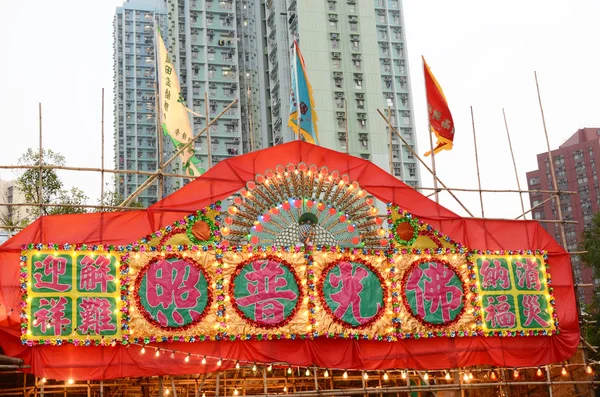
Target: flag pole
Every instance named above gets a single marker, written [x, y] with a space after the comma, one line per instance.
[295, 60]
[102, 156]
[391, 136]
[158, 116]
[209, 143]
[433, 169]
[477, 164]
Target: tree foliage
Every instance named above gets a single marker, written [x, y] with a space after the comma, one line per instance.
[70, 201]
[114, 199]
[591, 244]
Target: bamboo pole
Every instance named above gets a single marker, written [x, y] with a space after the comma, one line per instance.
[422, 162]
[249, 95]
[102, 153]
[477, 164]
[144, 185]
[346, 126]
[536, 206]
[40, 189]
[208, 138]
[390, 144]
[105, 170]
[159, 141]
[514, 164]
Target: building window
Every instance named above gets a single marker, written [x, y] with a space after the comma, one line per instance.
[336, 64]
[332, 6]
[356, 63]
[381, 17]
[353, 27]
[534, 180]
[355, 45]
[333, 25]
[352, 8]
[358, 84]
[338, 82]
[335, 44]
[360, 103]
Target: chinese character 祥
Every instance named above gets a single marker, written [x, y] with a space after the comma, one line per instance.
[532, 310]
[437, 290]
[499, 314]
[266, 286]
[95, 272]
[95, 316]
[51, 314]
[528, 274]
[54, 267]
[348, 295]
[494, 275]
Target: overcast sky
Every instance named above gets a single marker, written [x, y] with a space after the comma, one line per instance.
[483, 54]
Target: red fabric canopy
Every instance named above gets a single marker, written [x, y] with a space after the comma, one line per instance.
[228, 177]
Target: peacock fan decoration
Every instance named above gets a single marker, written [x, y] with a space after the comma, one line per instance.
[301, 204]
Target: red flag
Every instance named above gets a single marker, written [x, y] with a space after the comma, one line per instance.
[440, 118]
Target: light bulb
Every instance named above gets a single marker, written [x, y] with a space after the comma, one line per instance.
[326, 374]
[285, 388]
[365, 376]
[307, 373]
[143, 351]
[403, 375]
[563, 371]
[219, 363]
[493, 375]
[539, 372]
[516, 373]
[187, 358]
[237, 365]
[290, 370]
[345, 376]
[426, 376]
[203, 394]
[235, 392]
[466, 377]
[385, 376]
[447, 376]
[254, 367]
[470, 375]
[172, 356]
[70, 381]
[43, 380]
[270, 367]
[203, 360]
[167, 391]
[589, 369]
[157, 352]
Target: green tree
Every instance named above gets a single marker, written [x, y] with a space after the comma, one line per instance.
[114, 199]
[591, 316]
[72, 201]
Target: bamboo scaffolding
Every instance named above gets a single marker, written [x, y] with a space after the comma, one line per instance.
[512, 154]
[148, 181]
[422, 162]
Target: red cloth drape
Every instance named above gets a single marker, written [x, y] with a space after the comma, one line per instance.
[227, 177]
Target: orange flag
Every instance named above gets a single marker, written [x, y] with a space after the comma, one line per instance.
[440, 118]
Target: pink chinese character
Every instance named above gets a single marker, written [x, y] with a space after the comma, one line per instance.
[531, 309]
[266, 285]
[494, 274]
[54, 267]
[527, 273]
[349, 294]
[94, 272]
[499, 314]
[167, 284]
[95, 316]
[51, 314]
[436, 289]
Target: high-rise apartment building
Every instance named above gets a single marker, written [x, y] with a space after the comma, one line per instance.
[11, 217]
[576, 164]
[136, 133]
[356, 59]
[226, 50]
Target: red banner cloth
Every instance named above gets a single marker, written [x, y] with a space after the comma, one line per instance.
[440, 118]
[227, 177]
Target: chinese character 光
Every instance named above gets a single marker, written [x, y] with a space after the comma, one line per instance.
[351, 287]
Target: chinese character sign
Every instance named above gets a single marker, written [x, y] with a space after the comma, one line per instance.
[352, 292]
[434, 292]
[514, 293]
[265, 291]
[173, 292]
[72, 294]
